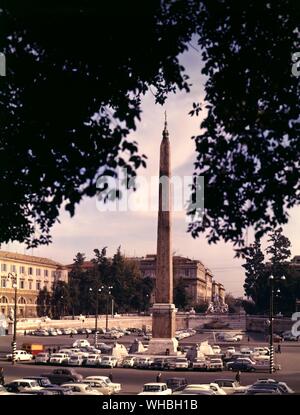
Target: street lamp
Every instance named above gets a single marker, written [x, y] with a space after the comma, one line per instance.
[14, 280]
[96, 314]
[107, 289]
[272, 279]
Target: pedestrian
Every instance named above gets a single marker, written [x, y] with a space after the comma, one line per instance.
[24, 332]
[1, 376]
[87, 335]
[279, 348]
[54, 350]
[238, 377]
[71, 334]
[158, 377]
[248, 338]
[110, 377]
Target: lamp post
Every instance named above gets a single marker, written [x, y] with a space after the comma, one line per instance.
[14, 280]
[98, 290]
[107, 289]
[62, 306]
[272, 279]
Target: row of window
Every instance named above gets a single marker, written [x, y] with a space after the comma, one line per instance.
[22, 285]
[30, 270]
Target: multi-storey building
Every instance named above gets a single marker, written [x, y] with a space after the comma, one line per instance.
[198, 279]
[33, 274]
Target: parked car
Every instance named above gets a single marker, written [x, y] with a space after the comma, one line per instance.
[176, 384]
[59, 358]
[76, 360]
[283, 387]
[205, 386]
[128, 361]
[156, 389]
[93, 359]
[81, 389]
[4, 391]
[215, 364]
[42, 381]
[290, 337]
[81, 343]
[108, 361]
[242, 365]
[143, 363]
[100, 385]
[230, 386]
[21, 355]
[60, 376]
[216, 349]
[116, 386]
[22, 385]
[260, 350]
[199, 364]
[59, 390]
[178, 363]
[41, 358]
[158, 363]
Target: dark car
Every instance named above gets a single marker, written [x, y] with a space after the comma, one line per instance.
[60, 376]
[60, 391]
[41, 380]
[176, 384]
[158, 364]
[240, 365]
[40, 392]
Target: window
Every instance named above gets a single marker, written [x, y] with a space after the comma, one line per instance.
[30, 285]
[22, 284]
[38, 285]
[13, 268]
[187, 272]
[30, 270]
[38, 272]
[3, 300]
[22, 270]
[3, 267]
[53, 274]
[45, 273]
[3, 282]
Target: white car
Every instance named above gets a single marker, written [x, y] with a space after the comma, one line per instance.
[75, 360]
[81, 343]
[128, 361]
[109, 361]
[20, 355]
[215, 364]
[230, 351]
[216, 349]
[179, 363]
[24, 385]
[59, 358]
[143, 362]
[156, 389]
[115, 386]
[260, 350]
[199, 364]
[100, 386]
[205, 386]
[42, 358]
[230, 386]
[81, 389]
[93, 359]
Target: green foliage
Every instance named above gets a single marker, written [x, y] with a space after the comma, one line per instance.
[181, 297]
[257, 272]
[76, 75]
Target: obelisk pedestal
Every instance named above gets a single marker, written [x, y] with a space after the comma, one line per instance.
[163, 311]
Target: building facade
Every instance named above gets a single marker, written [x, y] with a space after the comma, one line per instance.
[198, 279]
[33, 274]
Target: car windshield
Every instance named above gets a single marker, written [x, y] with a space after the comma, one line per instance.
[57, 355]
[151, 388]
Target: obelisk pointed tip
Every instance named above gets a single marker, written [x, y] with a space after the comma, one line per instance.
[165, 131]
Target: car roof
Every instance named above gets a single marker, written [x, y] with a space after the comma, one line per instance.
[155, 383]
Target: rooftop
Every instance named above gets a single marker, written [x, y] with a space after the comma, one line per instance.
[14, 256]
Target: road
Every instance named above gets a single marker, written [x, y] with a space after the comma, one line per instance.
[132, 380]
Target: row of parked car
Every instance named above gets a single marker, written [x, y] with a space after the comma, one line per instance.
[62, 382]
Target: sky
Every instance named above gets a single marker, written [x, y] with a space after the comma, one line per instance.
[136, 231]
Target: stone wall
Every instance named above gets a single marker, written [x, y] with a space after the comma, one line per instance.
[260, 324]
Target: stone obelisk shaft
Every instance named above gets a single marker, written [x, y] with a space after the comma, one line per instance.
[164, 264]
[163, 311]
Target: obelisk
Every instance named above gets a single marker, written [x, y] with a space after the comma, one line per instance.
[163, 311]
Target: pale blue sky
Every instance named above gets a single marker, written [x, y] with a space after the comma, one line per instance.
[136, 231]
